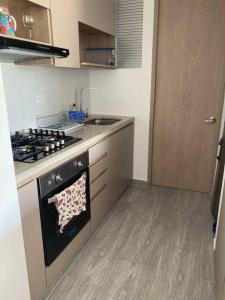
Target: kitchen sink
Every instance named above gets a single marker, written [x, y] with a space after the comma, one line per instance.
[102, 121]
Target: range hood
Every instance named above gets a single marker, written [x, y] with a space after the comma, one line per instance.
[18, 50]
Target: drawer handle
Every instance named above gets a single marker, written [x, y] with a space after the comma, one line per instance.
[99, 192]
[102, 173]
[98, 159]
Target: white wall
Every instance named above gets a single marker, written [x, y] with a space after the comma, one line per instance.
[127, 92]
[24, 83]
[13, 274]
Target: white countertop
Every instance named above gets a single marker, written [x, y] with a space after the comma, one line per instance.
[90, 134]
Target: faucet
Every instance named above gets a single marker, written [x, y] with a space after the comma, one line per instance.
[81, 99]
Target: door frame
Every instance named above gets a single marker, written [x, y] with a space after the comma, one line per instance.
[153, 94]
[153, 88]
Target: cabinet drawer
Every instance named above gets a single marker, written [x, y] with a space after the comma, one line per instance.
[98, 185]
[98, 168]
[98, 151]
[99, 208]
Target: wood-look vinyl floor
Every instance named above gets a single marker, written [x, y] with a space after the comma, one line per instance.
[156, 244]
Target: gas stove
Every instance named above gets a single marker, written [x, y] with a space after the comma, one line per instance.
[35, 144]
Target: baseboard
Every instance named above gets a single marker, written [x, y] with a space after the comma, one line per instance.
[139, 183]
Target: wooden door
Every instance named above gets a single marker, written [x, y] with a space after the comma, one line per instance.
[189, 90]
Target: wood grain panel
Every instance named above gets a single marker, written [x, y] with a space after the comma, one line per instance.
[189, 89]
[98, 168]
[99, 208]
[98, 184]
[98, 151]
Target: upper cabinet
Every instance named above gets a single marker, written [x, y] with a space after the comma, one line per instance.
[65, 31]
[28, 20]
[86, 28]
[98, 14]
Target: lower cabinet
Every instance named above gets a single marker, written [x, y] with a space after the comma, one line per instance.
[31, 224]
[120, 161]
[100, 207]
[111, 171]
[111, 168]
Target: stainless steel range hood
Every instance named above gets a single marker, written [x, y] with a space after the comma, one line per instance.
[16, 50]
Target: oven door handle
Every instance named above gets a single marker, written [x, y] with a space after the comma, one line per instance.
[53, 199]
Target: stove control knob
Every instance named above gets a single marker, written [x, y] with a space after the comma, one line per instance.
[62, 142]
[46, 149]
[57, 144]
[80, 164]
[58, 179]
[52, 146]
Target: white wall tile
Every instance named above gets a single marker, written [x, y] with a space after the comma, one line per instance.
[24, 83]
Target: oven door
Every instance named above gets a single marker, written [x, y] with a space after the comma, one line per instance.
[55, 241]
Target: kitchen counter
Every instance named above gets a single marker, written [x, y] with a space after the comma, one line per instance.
[90, 134]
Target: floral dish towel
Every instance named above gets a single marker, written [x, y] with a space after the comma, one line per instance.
[71, 202]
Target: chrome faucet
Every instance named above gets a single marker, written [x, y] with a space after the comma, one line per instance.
[81, 99]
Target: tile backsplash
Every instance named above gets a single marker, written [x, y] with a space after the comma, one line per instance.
[35, 91]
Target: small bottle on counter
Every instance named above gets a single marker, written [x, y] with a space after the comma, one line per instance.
[73, 106]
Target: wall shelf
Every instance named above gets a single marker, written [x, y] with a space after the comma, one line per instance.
[93, 65]
[97, 48]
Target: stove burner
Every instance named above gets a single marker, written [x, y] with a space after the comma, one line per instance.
[36, 144]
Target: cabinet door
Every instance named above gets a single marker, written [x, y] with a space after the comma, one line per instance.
[31, 224]
[120, 161]
[44, 3]
[100, 206]
[220, 252]
[98, 14]
[65, 31]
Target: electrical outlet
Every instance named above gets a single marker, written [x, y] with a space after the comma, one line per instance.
[40, 99]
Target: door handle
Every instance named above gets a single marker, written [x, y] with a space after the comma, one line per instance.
[211, 120]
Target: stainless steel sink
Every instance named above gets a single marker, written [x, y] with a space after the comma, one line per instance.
[102, 121]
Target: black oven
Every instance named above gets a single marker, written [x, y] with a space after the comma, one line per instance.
[51, 184]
